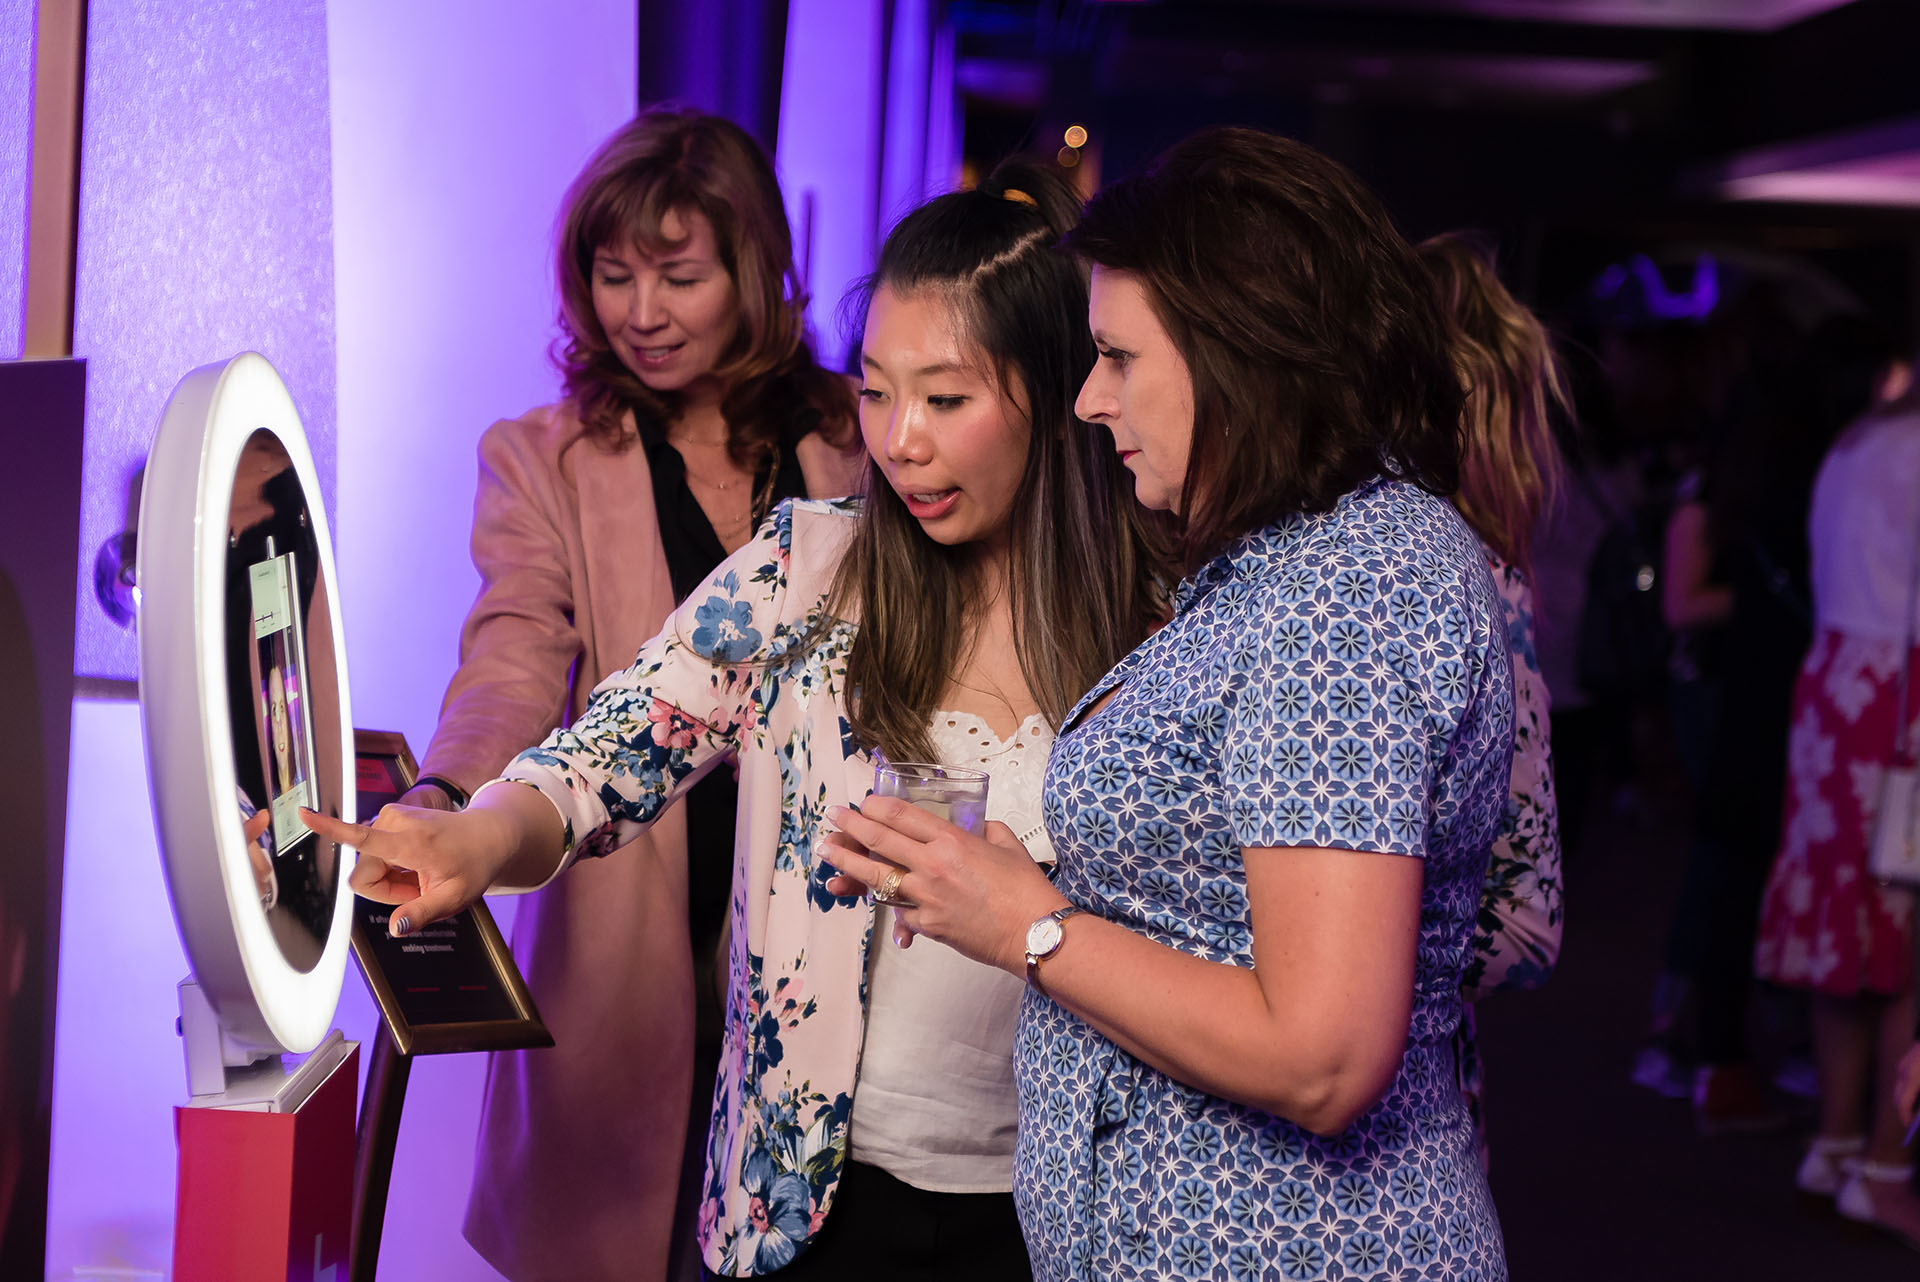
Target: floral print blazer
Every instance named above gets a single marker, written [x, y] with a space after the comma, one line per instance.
[1516, 937]
[749, 664]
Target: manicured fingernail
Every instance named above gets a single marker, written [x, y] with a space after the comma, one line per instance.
[401, 925]
[837, 813]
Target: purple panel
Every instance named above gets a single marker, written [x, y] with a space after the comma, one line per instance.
[903, 158]
[118, 1067]
[40, 409]
[443, 235]
[828, 160]
[206, 229]
[16, 133]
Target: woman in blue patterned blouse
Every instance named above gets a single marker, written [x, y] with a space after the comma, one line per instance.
[1271, 819]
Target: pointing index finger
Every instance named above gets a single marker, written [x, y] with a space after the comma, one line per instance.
[355, 835]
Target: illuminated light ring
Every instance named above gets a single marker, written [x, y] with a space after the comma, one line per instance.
[263, 1002]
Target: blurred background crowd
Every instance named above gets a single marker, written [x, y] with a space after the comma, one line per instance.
[1713, 208]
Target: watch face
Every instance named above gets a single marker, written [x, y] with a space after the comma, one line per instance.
[1043, 936]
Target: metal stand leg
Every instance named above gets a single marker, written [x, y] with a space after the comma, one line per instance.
[386, 1091]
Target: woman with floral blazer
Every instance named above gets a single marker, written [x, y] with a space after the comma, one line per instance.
[995, 568]
[766, 684]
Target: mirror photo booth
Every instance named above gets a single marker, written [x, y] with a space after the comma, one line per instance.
[244, 701]
[243, 693]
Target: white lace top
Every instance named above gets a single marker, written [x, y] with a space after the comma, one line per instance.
[935, 1103]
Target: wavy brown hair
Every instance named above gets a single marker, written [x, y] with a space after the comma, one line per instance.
[1084, 570]
[1511, 467]
[1307, 326]
[677, 159]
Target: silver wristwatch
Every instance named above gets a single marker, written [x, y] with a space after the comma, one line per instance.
[1044, 938]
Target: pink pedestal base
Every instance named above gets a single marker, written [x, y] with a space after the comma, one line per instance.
[267, 1197]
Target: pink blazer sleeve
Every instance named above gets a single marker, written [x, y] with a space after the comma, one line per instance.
[519, 643]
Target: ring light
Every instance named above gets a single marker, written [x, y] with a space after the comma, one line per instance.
[243, 693]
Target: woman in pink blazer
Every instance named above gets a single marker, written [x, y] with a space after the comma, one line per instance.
[693, 405]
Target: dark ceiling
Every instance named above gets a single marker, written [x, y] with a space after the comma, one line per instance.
[1616, 121]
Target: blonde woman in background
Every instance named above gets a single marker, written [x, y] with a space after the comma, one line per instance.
[1509, 471]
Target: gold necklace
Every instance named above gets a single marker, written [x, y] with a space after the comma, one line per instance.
[729, 530]
[757, 507]
[718, 486]
[686, 464]
[724, 440]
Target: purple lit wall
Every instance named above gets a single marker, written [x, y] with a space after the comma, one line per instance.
[457, 124]
[16, 124]
[118, 1068]
[829, 135]
[366, 193]
[205, 229]
[920, 153]
[377, 151]
[868, 129]
[903, 141]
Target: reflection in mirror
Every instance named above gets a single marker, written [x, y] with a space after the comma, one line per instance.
[282, 697]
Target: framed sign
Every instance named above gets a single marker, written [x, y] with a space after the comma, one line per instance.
[453, 986]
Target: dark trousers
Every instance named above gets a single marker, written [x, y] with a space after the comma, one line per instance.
[1739, 832]
[884, 1228]
[1738, 874]
[1592, 747]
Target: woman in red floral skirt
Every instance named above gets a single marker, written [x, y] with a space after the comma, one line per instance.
[1826, 924]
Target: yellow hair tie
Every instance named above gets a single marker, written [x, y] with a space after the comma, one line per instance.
[1019, 197]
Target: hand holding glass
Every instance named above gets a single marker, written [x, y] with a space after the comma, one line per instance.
[955, 795]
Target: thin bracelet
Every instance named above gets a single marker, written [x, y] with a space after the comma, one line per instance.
[452, 789]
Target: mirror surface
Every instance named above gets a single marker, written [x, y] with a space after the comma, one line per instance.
[283, 700]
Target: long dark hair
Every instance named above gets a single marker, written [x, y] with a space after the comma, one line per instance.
[1084, 570]
[674, 159]
[1312, 337]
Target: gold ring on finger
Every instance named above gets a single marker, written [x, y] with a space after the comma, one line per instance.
[889, 888]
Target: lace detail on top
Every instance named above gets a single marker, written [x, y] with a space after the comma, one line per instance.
[1017, 768]
[935, 1105]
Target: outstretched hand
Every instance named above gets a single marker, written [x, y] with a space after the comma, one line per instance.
[977, 895]
[435, 863]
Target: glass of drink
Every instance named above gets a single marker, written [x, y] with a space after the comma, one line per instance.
[955, 795]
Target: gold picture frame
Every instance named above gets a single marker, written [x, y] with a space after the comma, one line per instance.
[467, 947]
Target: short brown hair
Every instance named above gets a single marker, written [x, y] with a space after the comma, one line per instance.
[1310, 332]
[678, 159]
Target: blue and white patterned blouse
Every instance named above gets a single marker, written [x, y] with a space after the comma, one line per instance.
[1338, 681]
